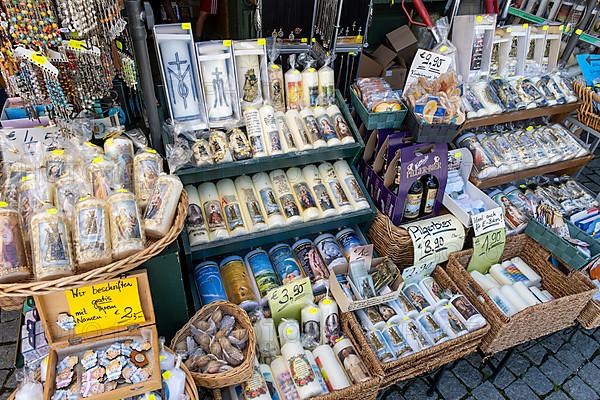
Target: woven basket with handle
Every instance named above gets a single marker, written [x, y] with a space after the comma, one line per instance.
[13, 294]
[585, 112]
[391, 241]
[570, 293]
[237, 375]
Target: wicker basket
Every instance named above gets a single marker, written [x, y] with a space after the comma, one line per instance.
[585, 112]
[590, 315]
[16, 292]
[391, 241]
[11, 303]
[426, 360]
[190, 386]
[237, 375]
[571, 296]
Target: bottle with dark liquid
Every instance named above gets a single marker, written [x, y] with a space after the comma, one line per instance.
[431, 185]
[396, 185]
[412, 203]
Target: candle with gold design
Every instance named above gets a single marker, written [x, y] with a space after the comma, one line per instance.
[100, 175]
[91, 233]
[13, 257]
[230, 203]
[147, 166]
[126, 231]
[52, 255]
[276, 90]
[120, 150]
[162, 206]
[236, 281]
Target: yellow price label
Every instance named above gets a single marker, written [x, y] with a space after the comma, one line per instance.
[296, 72]
[509, 29]
[311, 69]
[304, 40]
[458, 155]
[578, 32]
[545, 27]
[83, 198]
[151, 151]
[97, 160]
[26, 178]
[261, 41]
[121, 190]
[444, 49]
[275, 67]
[186, 26]
[314, 40]
[58, 152]
[167, 375]
[3, 204]
[289, 331]
[313, 310]
[479, 19]
[39, 59]
[52, 211]
[561, 28]
[76, 44]
[288, 300]
[529, 128]
[162, 358]
[327, 302]
[105, 305]
[227, 43]
[525, 26]
[359, 38]
[119, 45]
[151, 396]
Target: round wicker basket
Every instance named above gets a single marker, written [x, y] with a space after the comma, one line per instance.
[391, 241]
[237, 375]
[13, 294]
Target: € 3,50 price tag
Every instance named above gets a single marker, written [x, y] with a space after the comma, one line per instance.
[288, 300]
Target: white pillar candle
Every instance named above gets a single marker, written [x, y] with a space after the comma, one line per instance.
[268, 200]
[301, 138]
[334, 188]
[126, 230]
[466, 312]
[539, 294]
[270, 131]
[266, 339]
[255, 133]
[195, 221]
[285, 133]
[253, 212]
[293, 89]
[301, 371]
[216, 83]
[333, 373]
[312, 128]
[341, 126]
[310, 87]
[432, 291]
[120, 150]
[366, 322]
[304, 195]
[431, 329]
[91, 234]
[449, 321]
[283, 380]
[147, 166]
[327, 85]
[330, 321]
[534, 278]
[289, 331]
[276, 86]
[313, 364]
[484, 281]
[100, 175]
[526, 294]
[322, 197]
[412, 334]
[13, 263]
[355, 368]
[502, 302]
[234, 218]
[350, 185]
[311, 323]
[267, 374]
[287, 200]
[326, 127]
[393, 339]
[162, 206]
[51, 245]
[217, 229]
[249, 80]
[513, 297]
[256, 388]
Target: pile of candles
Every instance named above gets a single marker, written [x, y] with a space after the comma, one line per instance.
[513, 286]
[424, 315]
[269, 200]
[244, 281]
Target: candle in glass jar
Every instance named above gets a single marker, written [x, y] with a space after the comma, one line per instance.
[299, 132]
[255, 133]
[326, 126]
[350, 185]
[147, 166]
[120, 150]
[209, 283]
[268, 201]
[323, 200]
[330, 321]
[162, 206]
[231, 208]
[236, 281]
[262, 269]
[276, 91]
[301, 371]
[341, 126]
[293, 89]
[270, 131]
[310, 87]
[195, 221]
[51, 245]
[304, 195]
[212, 211]
[13, 258]
[251, 208]
[127, 234]
[91, 233]
[334, 187]
[285, 263]
[286, 199]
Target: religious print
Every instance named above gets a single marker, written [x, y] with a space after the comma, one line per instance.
[269, 201]
[290, 208]
[91, 230]
[305, 197]
[214, 215]
[12, 248]
[253, 207]
[328, 130]
[277, 93]
[338, 193]
[154, 209]
[323, 198]
[233, 213]
[54, 251]
[251, 90]
[101, 180]
[127, 224]
[341, 127]
[355, 190]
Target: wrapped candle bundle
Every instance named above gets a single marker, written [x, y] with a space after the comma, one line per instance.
[219, 147]
[304, 195]
[239, 144]
[299, 132]
[327, 83]
[91, 234]
[147, 165]
[120, 150]
[195, 221]
[237, 282]
[51, 245]
[201, 153]
[310, 86]
[288, 202]
[232, 211]
[255, 133]
[253, 212]
[324, 202]
[213, 211]
[341, 127]
[327, 127]
[334, 188]
[268, 200]
[350, 185]
[270, 131]
[293, 86]
[126, 231]
[13, 263]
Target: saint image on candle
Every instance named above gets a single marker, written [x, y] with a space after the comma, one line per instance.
[289, 205]
[53, 243]
[353, 364]
[250, 86]
[100, 184]
[127, 224]
[323, 197]
[194, 216]
[214, 216]
[149, 171]
[304, 196]
[10, 248]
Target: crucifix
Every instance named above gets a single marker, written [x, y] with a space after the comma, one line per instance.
[219, 88]
[182, 88]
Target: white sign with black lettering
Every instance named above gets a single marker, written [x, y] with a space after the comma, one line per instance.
[25, 141]
[488, 221]
[428, 65]
[436, 238]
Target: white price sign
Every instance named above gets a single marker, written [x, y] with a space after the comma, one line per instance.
[428, 65]
[28, 140]
[488, 221]
[436, 238]
[416, 273]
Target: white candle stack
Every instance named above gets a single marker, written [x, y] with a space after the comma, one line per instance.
[195, 221]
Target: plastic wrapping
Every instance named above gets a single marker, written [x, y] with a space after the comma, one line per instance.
[377, 95]
[276, 81]
[436, 101]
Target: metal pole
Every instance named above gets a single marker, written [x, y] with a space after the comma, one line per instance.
[137, 30]
[587, 16]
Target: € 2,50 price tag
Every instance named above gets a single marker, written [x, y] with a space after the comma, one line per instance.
[436, 238]
[487, 250]
[105, 305]
[288, 300]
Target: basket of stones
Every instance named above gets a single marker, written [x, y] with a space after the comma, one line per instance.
[218, 345]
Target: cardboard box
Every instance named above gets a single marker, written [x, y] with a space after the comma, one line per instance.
[403, 42]
[368, 67]
[395, 75]
[384, 55]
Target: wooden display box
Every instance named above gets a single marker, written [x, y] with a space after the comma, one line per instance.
[63, 343]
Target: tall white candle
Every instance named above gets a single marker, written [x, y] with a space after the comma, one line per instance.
[195, 221]
[312, 128]
[350, 185]
[485, 281]
[466, 312]
[268, 200]
[289, 331]
[330, 321]
[502, 302]
[285, 133]
[331, 370]
[120, 150]
[126, 230]
[266, 339]
[334, 188]
[14, 267]
[341, 126]
[311, 323]
[253, 212]
[327, 84]
[301, 371]
[355, 368]
[310, 87]
[232, 211]
[267, 374]
[287, 200]
[283, 380]
[255, 133]
[316, 370]
[217, 229]
[412, 334]
[293, 89]
[162, 206]
[304, 195]
[326, 127]
[270, 131]
[322, 197]
[216, 82]
[249, 80]
[299, 132]
[513, 297]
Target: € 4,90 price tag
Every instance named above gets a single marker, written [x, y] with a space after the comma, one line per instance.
[487, 250]
[105, 305]
[288, 300]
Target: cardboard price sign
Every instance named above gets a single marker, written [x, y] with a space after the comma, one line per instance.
[105, 305]
[436, 238]
[488, 221]
[428, 65]
[287, 301]
[487, 250]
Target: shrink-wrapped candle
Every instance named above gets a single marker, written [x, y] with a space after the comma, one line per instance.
[284, 263]
[162, 206]
[147, 166]
[213, 211]
[324, 202]
[331, 370]
[51, 245]
[412, 334]
[276, 86]
[285, 133]
[13, 258]
[350, 185]
[334, 187]
[301, 137]
[287, 200]
[195, 221]
[283, 380]
[330, 321]
[209, 282]
[393, 336]
[304, 195]
[120, 150]
[327, 84]
[270, 131]
[355, 368]
[253, 212]
[341, 126]
[310, 87]
[201, 153]
[449, 321]
[249, 79]
[236, 281]
[266, 339]
[67, 191]
[255, 133]
[219, 147]
[268, 200]
[100, 175]
[293, 89]
[312, 128]
[502, 302]
[312, 264]
[91, 234]
[234, 218]
[239, 145]
[513, 297]
[126, 230]
[432, 331]
[311, 324]
[525, 294]
[303, 376]
[55, 164]
[289, 331]
[264, 274]
[326, 127]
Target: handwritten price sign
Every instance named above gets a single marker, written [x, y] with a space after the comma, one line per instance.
[428, 65]
[487, 250]
[436, 238]
[105, 305]
[488, 221]
[287, 301]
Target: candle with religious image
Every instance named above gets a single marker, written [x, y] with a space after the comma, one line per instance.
[322, 198]
[266, 339]
[348, 357]
[326, 127]
[234, 218]
[313, 364]
[412, 334]
[449, 321]
[91, 233]
[312, 128]
[236, 281]
[310, 87]
[67, 191]
[213, 212]
[269, 129]
[268, 200]
[299, 132]
[55, 164]
[34, 193]
[310, 317]
[120, 150]
[304, 195]
[276, 86]
[249, 201]
[100, 175]
[147, 165]
[397, 342]
[293, 89]
[284, 263]
[195, 222]
[215, 81]
[432, 331]
[327, 85]
[313, 265]
[330, 251]
[287, 201]
[162, 206]
[255, 133]
[267, 374]
[285, 133]
[334, 188]
[239, 145]
[341, 126]
[249, 78]
[283, 380]
[330, 321]
[13, 257]
[350, 185]
[301, 371]
[51, 251]
[256, 388]
[126, 231]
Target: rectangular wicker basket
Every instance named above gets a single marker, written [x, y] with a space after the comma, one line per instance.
[424, 361]
[570, 292]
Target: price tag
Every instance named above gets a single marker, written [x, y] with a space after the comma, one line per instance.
[416, 273]
[186, 26]
[227, 43]
[488, 221]
[434, 239]
[27, 140]
[578, 32]
[261, 41]
[479, 19]
[487, 250]
[545, 27]
[313, 40]
[304, 40]
[525, 26]
[529, 128]
[509, 29]
[77, 44]
[39, 59]
[288, 300]
[561, 28]
[105, 305]
[362, 254]
[119, 45]
[428, 65]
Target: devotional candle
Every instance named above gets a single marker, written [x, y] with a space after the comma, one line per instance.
[247, 63]
[236, 281]
[91, 233]
[283, 379]
[327, 85]
[55, 164]
[126, 230]
[266, 339]
[234, 219]
[219, 147]
[215, 81]
[310, 87]
[293, 89]
[195, 221]
[310, 317]
[251, 208]
[209, 283]
[346, 354]
[334, 187]
[147, 166]
[312, 128]
[268, 201]
[350, 185]
[326, 127]
[34, 193]
[341, 126]
[100, 175]
[51, 245]
[276, 86]
[301, 371]
[299, 132]
[120, 150]
[284, 263]
[269, 129]
[304, 195]
[317, 371]
[213, 212]
[289, 331]
[255, 133]
[262, 270]
[13, 258]
[285, 133]
[256, 387]
[162, 206]
[324, 202]
[286, 199]
[330, 321]
[331, 370]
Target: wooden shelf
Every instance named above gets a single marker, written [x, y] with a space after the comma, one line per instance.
[568, 167]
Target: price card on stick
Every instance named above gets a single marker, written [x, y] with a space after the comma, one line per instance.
[436, 238]
[487, 250]
[488, 221]
[428, 65]
[288, 300]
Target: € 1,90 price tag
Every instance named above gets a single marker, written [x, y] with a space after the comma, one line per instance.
[288, 300]
[487, 250]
